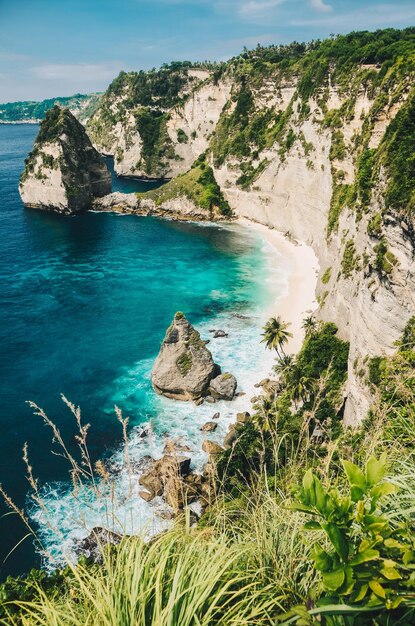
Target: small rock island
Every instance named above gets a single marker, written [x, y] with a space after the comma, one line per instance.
[63, 172]
[185, 369]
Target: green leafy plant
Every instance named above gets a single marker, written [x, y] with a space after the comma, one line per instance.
[364, 559]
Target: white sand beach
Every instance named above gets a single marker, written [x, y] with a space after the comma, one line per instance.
[299, 299]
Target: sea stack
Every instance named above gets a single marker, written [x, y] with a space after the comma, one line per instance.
[63, 172]
[184, 366]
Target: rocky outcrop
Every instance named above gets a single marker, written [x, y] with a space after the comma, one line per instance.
[211, 447]
[184, 366]
[63, 172]
[170, 478]
[93, 545]
[179, 208]
[209, 427]
[223, 387]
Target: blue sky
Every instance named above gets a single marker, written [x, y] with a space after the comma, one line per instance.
[62, 47]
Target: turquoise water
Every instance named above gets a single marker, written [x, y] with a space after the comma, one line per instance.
[85, 303]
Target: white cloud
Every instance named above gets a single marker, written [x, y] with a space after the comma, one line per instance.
[77, 72]
[374, 16]
[256, 11]
[320, 5]
[254, 8]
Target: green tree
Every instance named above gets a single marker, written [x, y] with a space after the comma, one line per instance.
[284, 366]
[310, 325]
[276, 335]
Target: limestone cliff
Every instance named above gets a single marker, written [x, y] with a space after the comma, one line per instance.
[157, 123]
[64, 172]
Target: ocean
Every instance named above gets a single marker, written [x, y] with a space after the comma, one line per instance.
[85, 302]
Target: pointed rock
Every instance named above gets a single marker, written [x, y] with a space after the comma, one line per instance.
[184, 366]
[63, 172]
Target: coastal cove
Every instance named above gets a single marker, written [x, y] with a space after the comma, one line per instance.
[86, 303]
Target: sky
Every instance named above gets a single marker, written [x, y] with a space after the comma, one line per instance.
[50, 49]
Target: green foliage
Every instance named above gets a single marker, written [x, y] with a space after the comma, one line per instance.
[276, 334]
[181, 136]
[199, 185]
[231, 136]
[385, 260]
[250, 173]
[374, 227]
[184, 363]
[364, 176]
[394, 379]
[337, 148]
[151, 124]
[397, 154]
[326, 276]
[182, 577]
[350, 260]
[407, 341]
[211, 195]
[310, 383]
[369, 560]
[155, 88]
[342, 196]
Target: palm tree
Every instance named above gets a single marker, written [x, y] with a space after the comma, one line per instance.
[310, 325]
[275, 334]
[284, 365]
[299, 387]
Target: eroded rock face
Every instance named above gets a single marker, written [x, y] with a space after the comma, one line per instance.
[184, 366]
[63, 172]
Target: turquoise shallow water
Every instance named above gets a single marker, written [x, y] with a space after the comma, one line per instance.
[85, 302]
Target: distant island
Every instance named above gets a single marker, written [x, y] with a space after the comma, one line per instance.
[31, 112]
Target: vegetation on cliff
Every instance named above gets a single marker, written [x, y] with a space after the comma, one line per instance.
[198, 185]
[148, 96]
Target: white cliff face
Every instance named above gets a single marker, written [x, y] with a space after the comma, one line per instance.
[294, 197]
[188, 128]
[191, 125]
[45, 187]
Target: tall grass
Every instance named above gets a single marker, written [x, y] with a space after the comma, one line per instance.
[182, 578]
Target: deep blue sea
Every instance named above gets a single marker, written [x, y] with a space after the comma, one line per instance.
[85, 302]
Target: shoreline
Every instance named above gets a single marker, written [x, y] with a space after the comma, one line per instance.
[299, 299]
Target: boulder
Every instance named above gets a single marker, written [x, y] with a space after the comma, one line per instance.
[223, 387]
[170, 466]
[263, 382]
[146, 495]
[92, 545]
[232, 435]
[211, 447]
[242, 418]
[184, 366]
[216, 416]
[219, 333]
[174, 446]
[63, 172]
[209, 427]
